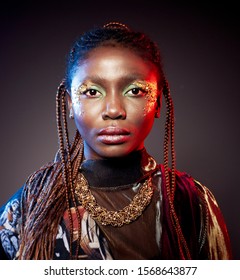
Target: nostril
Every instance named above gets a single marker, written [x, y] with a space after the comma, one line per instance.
[114, 115]
[114, 112]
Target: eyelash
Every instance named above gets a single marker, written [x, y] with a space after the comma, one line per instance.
[139, 89]
[87, 92]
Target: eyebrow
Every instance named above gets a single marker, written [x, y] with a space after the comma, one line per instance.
[122, 80]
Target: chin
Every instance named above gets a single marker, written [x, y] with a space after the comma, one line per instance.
[116, 151]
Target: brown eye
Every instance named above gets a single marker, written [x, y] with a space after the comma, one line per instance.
[92, 93]
[135, 91]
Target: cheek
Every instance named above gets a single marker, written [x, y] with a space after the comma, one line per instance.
[79, 117]
[151, 103]
[146, 127]
[142, 117]
[82, 123]
[78, 108]
[148, 122]
[85, 116]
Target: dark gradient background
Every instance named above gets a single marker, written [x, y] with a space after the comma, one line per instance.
[200, 49]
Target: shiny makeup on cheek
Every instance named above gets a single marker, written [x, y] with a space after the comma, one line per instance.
[77, 93]
[150, 89]
[75, 97]
[85, 91]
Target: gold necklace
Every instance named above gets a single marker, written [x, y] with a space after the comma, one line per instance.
[114, 218]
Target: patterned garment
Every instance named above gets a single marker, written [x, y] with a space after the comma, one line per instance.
[151, 236]
[93, 244]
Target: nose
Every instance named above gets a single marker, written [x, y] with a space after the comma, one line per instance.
[114, 108]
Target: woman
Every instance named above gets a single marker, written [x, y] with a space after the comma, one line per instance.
[104, 196]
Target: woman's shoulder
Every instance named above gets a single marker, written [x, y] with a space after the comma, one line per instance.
[12, 203]
[11, 211]
[184, 181]
[10, 215]
[40, 178]
[45, 170]
[196, 205]
[188, 188]
[40, 175]
[215, 237]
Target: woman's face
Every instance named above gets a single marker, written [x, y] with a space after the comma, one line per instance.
[114, 98]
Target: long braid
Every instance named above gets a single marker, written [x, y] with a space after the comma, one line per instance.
[169, 137]
[67, 176]
[171, 184]
[60, 110]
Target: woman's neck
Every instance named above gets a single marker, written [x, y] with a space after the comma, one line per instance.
[117, 171]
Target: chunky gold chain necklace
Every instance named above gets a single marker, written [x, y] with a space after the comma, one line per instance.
[114, 218]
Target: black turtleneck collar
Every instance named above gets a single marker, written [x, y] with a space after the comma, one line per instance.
[114, 172]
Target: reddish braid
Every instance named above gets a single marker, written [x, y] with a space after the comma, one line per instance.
[67, 170]
[171, 183]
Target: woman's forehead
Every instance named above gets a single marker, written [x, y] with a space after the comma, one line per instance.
[110, 63]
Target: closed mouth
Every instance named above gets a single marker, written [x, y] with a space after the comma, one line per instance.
[113, 131]
[113, 135]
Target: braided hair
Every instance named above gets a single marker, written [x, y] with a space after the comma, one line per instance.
[48, 192]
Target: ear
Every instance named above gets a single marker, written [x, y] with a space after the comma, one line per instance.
[158, 105]
[70, 108]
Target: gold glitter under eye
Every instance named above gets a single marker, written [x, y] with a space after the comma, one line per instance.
[78, 92]
[150, 90]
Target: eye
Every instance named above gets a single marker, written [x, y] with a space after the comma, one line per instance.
[136, 91]
[92, 93]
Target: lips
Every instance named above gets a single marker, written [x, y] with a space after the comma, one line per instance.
[113, 135]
